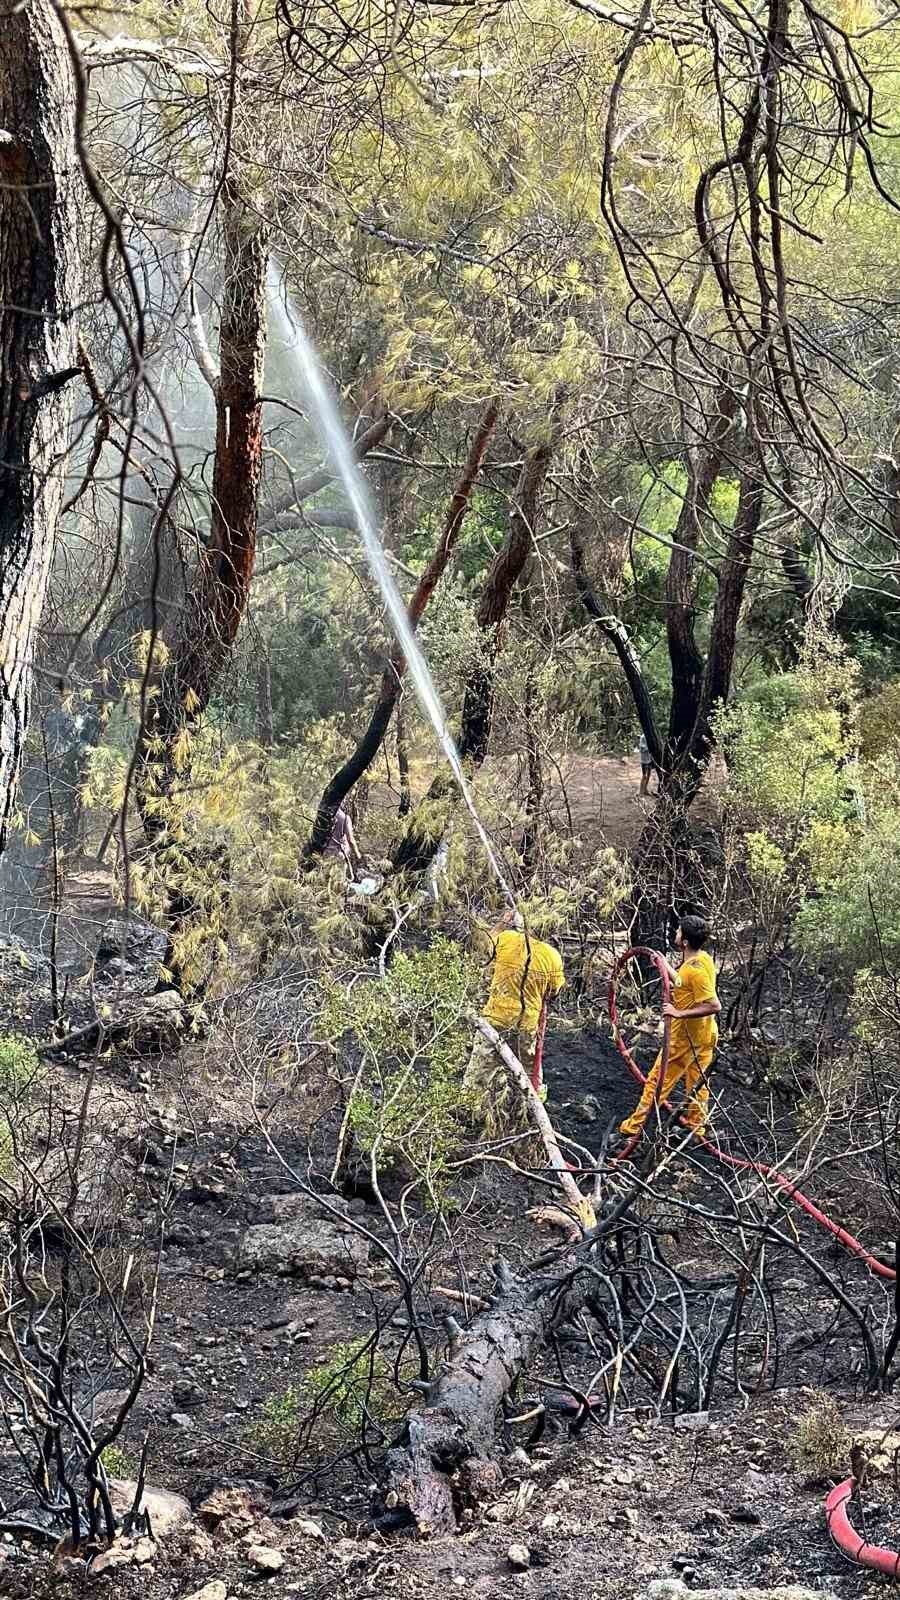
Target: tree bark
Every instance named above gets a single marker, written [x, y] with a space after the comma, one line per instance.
[371, 741]
[727, 609]
[40, 288]
[446, 1454]
[221, 587]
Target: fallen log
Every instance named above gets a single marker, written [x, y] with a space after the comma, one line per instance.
[446, 1459]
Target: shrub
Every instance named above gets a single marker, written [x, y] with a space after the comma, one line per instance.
[116, 1464]
[821, 1442]
[414, 1041]
[19, 1070]
[852, 918]
[879, 723]
[334, 1401]
[275, 1431]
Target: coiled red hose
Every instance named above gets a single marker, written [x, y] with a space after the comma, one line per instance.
[737, 1163]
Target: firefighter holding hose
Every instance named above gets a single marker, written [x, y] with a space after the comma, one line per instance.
[692, 1011]
[527, 974]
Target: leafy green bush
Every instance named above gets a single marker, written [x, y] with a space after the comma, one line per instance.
[411, 1031]
[116, 1463]
[879, 722]
[852, 918]
[275, 1430]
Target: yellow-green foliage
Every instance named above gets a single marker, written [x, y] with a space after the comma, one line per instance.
[794, 787]
[20, 1069]
[879, 722]
[414, 1041]
[116, 1463]
[854, 919]
[233, 842]
[352, 1388]
[821, 830]
[275, 1430]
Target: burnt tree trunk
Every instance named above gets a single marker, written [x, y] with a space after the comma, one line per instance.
[370, 743]
[40, 289]
[220, 590]
[727, 610]
[684, 656]
[665, 867]
[662, 867]
[428, 824]
[221, 587]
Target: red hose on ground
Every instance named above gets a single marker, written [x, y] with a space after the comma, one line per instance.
[848, 1540]
[737, 1163]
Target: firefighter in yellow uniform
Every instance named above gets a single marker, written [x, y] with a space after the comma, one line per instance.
[527, 973]
[693, 1009]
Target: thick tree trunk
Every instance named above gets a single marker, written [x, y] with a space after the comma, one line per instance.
[373, 738]
[426, 829]
[40, 289]
[218, 599]
[504, 573]
[727, 609]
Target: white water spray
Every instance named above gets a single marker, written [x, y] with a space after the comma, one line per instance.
[326, 419]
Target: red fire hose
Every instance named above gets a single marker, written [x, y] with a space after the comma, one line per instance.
[837, 1521]
[848, 1540]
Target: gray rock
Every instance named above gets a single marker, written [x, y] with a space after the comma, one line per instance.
[689, 1421]
[187, 1393]
[747, 1514]
[303, 1240]
[180, 1419]
[166, 1511]
[264, 1559]
[130, 939]
[519, 1557]
[215, 1590]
